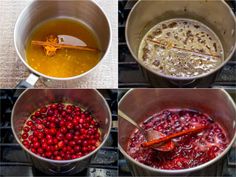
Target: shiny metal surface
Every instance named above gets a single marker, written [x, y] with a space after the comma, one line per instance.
[142, 103]
[147, 13]
[38, 11]
[89, 99]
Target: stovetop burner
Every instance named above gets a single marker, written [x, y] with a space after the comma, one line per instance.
[225, 169]
[130, 75]
[15, 162]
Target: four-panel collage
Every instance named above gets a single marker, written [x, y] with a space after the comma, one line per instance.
[118, 88]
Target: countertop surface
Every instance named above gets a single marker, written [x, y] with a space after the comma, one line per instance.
[12, 70]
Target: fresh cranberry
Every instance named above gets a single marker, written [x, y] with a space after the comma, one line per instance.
[60, 132]
[50, 112]
[39, 126]
[36, 145]
[37, 113]
[48, 154]
[33, 117]
[69, 136]
[25, 142]
[58, 158]
[63, 129]
[40, 150]
[26, 129]
[69, 125]
[29, 123]
[49, 141]
[25, 135]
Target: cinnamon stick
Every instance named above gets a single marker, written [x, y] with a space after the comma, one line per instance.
[164, 45]
[59, 46]
[169, 137]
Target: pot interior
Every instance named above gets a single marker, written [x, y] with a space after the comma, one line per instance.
[39, 11]
[140, 104]
[88, 99]
[146, 14]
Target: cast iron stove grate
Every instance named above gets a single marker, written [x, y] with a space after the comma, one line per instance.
[130, 75]
[15, 162]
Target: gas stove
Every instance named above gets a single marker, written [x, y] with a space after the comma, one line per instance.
[130, 75]
[226, 168]
[15, 162]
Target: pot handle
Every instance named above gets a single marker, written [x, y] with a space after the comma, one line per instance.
[29, 82]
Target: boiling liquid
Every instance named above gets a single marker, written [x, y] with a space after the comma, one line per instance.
[194, 37]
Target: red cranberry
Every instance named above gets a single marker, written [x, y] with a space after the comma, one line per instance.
[36, 144]
[84, 149]
[53, 131]
[52, 125]
[33, 117]
[25, 135]
[61, 144]
[81, 121]
[221, 136]
[40, 150]
[49, 141]
[33, 150]
[77, 148]
[62, 123]
[69, 136]
[43, 110]
[26, 129]
[37, 114]
[30, 137]
[40, 135]
[29, 123]
[69, 125]
[25, 143]
[58, 158]
[50, 112]
[72, 143]
[55, 141]
[39, 126]
[44, 145]
[48, 154]
[63, 129]
[60, 136]
[33, 128]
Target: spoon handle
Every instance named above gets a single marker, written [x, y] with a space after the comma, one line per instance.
[178, 134]
[127, 118]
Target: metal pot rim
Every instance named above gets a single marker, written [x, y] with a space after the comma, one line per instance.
[57, 78]
[63, 161]
[174, 77]
[187, 170]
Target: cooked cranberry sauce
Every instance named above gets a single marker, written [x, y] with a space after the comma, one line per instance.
[190, 150]
[61, 132]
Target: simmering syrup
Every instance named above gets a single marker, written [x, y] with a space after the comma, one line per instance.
[196, 40]
[66, 62]
[190, 150]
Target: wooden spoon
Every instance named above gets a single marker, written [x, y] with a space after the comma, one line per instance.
[174, 135]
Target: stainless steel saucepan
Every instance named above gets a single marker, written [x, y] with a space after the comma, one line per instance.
[215, 102]
[40, 10]
[30, 100]
[147, 13]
